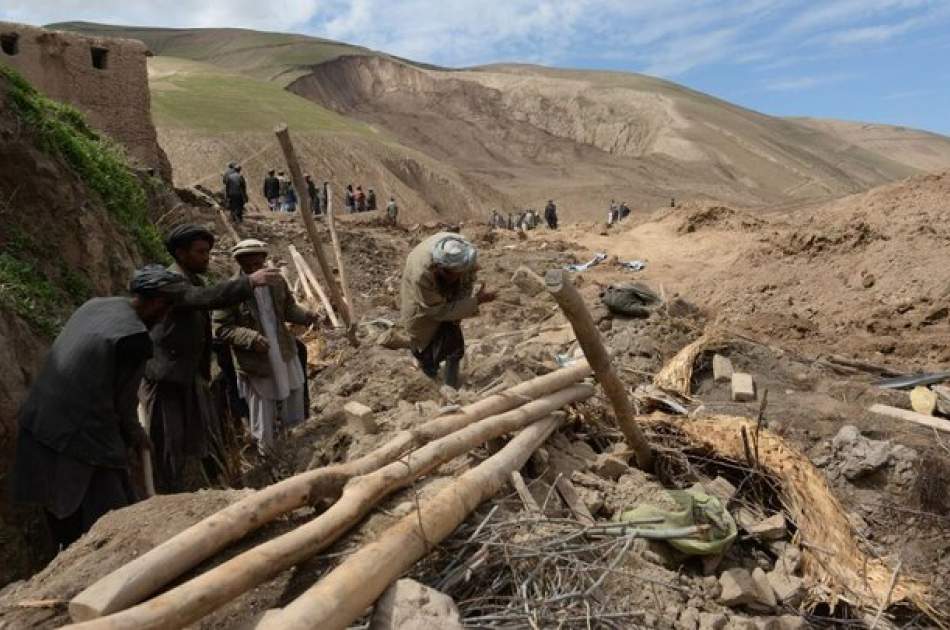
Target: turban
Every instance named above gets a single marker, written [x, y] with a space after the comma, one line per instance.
[152, 279]
[184, 235]
[454, 253]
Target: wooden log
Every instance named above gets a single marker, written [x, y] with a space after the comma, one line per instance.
[203, 594]
[338, 253]
[310, 284]
[296, 174]
[912, 416]
[147, 574]
[560, 285]
[517, 482]
[341, 597]
[569, 493]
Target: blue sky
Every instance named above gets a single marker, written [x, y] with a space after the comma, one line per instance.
[869, 60]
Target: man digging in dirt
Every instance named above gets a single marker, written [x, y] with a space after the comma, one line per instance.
[270, 376]
[79, 421]
[175, 391]
[437, 286]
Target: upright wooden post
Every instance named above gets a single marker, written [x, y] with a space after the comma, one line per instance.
[559, 284]
[283, 137]
[338, 252]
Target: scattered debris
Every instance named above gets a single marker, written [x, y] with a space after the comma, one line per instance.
[907, 382]
[593, 262]
[631, 300]
[633, 265]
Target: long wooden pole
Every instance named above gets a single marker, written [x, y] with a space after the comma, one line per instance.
[147, 574]
[203, 594]
[341, 597]
[338, 253]
[290, 155]
[561, 287]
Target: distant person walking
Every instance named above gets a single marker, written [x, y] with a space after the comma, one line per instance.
[349, 200]
[550, 214]
[235, 191]
[227, 171]
[314, 195]
[360, 199]
[371, 200]
[392, 211]
[272, 190]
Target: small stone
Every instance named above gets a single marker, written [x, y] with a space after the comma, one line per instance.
[764, 594]
[722, 369]
[689, 619]
[609, 466]
[721, 488]
[772, 528]
[743, 387]
[738, 588]
[788, 589]
[528, 281]
[360, 417]
[792, 622]
[409, 604]
[868, 281]
[712, 621]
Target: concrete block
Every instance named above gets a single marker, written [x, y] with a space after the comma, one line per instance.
[360, 417]
[743, 387]
[722, 369]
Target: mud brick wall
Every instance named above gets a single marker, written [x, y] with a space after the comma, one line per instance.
[105, 78]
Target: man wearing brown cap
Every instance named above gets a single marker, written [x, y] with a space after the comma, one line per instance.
[175, 392]
[270, 377]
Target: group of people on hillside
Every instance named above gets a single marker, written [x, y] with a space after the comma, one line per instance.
[526, 220]
[281, 196]
[617, 212]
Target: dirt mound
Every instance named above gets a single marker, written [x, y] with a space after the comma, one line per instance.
[717, 217]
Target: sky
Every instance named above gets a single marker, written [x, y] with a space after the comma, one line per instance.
[885, 61]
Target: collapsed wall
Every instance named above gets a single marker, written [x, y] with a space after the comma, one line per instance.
[105, 78]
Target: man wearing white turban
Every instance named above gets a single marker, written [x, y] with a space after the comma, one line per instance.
[437, 286]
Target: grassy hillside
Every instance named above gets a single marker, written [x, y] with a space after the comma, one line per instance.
[277, 57]
[188, 94]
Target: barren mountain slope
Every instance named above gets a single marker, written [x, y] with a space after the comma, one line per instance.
[589, 136]
[206, 119]
[920, 149]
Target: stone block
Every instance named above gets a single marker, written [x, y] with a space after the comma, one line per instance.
[772, 528]
[722, 369]
[788, 589]
[609, 466]
[360, 418]
[409, 605]
[743, 387]
[712, 621]
[738, 588]
[764, 595]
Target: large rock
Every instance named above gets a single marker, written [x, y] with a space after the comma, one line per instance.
[857, 455]
[764, 595]
[528, 281]
[409, 605]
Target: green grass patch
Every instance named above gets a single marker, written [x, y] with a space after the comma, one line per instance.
[28, 293]
[100, 163]
[191, 95]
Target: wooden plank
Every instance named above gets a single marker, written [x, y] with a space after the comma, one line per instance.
[569, 493]
[338, 253]
[530, 505]
[308, 281]
[912, 416]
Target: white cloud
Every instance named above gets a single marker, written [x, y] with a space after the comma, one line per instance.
[798, 84]
[665, 37]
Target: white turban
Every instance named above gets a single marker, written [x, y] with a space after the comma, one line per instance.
[454, 253]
